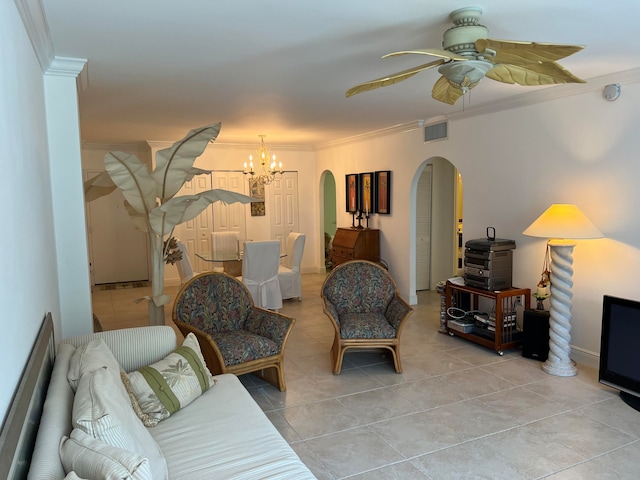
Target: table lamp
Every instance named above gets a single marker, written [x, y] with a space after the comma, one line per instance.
[561, 223]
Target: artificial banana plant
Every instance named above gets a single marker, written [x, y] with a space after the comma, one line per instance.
[151, 202]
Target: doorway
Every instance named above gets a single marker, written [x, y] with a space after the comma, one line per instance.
[118, 251]
[423, 229]
[329, 212]
[438, 209]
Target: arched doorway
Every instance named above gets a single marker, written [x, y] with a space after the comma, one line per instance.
[437, 223]
[328, 211]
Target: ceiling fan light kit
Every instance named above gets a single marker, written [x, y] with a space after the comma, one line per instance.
[468, 55]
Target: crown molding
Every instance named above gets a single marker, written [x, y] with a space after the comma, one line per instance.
[35, 23]
[548, 94]
[70, 67]
[141, 147]
[383, 132]
[37, 28]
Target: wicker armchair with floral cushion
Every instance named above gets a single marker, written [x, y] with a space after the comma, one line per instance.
[234, 335]
[366, 311]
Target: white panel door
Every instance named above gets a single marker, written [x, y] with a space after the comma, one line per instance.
[423, 229]
[230, 218]
[284, 205]
[117, 249]
[196, 233]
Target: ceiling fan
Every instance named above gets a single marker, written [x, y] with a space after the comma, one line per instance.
[468, 56]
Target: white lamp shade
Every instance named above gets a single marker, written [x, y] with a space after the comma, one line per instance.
[563, 220]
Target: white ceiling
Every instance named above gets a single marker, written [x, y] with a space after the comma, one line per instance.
[158, 68]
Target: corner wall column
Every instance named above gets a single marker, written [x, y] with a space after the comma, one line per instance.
[67, 195]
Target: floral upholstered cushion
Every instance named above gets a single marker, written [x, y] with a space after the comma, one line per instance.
[215, 303]
[365, 325]
[241, 346]
[159, 390]
[359, 287]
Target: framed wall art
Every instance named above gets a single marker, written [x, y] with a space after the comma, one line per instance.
[383, 192]
[256, 190]
[352, 183]
[366, 192]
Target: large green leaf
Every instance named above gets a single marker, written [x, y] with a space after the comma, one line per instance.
[133, 178]
[177, 210]
[98, 186]
[174, 165]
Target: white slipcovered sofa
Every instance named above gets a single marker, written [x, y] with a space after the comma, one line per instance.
[221, 434]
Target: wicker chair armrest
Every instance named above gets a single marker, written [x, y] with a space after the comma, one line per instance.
[331, 310]
[397, 311]
[210, 352]
[272, 325]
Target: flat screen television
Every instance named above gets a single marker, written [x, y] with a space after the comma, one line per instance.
[620, 348]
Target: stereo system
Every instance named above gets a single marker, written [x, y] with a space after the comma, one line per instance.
[488, 262]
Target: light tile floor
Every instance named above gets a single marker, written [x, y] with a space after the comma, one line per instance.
[459, 411]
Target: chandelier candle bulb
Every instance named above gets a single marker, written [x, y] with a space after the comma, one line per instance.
[268, 171]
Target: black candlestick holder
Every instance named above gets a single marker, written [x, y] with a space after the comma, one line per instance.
[359, 217]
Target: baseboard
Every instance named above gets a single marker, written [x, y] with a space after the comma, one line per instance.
[304, 270]
[585, 357]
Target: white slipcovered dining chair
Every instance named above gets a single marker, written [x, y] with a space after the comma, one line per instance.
[260, 273]
[184, 265]
[224, 246]
[289, 270]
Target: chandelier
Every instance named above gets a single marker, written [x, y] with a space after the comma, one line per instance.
[266, 173]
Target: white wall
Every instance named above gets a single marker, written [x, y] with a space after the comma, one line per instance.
[580, 149]
[583, 150]
[29, 275]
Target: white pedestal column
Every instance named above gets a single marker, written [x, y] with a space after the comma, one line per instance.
[558, 363]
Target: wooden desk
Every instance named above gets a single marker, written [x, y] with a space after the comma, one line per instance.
[355, 244]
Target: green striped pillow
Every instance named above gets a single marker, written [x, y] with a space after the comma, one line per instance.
[160, 390]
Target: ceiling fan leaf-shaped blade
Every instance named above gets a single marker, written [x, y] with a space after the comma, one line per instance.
[436, 52]
[533, 74]
[391, 79]
[446, 92]
[518, 53]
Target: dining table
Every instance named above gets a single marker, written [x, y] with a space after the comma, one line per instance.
[231, 261]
